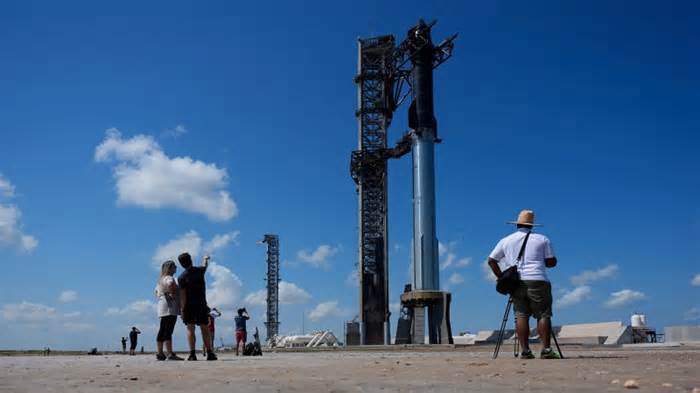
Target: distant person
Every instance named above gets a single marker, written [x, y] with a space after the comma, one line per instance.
[168, 295]
[133, 340]
[532, 253]
[123, 344]
[193, 303]
[241, 330]
[213, 314]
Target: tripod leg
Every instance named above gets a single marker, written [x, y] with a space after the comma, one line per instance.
[516, 342]
[554, 336]
[502, 331]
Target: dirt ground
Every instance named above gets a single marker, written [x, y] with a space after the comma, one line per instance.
[457, 370]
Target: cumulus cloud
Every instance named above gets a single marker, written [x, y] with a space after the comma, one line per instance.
[455, 279]
[588, 276]
[28, 312]
[574, 296]
[289, 293]
[692, 315]
[68, 296]
[624, 297]
[176, 131]
[353, 279]
[328, 309]
[146, 177]
[319, 258]
[487, 273]
[138, 308]
[225, 289]
[192, 243]
[7, 189]
[11, 233]
[448, 256]
[395, 308]
[695, 281]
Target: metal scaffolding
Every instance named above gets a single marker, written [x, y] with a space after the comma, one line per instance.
[387, 74]
[273, 279]
[370, 175]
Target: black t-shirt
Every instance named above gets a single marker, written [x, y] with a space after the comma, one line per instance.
[192, 280]
[133, 336]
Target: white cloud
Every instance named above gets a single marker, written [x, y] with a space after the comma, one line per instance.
[146, 177]
[28, 312]
[225, 290]
[72, 315]
[179, 130]
[448, 256]
[192, 243]
[11, 234]
[692, 315]
[7, 189]
[623, 297]
[319, 257]
[588, 276]
[353, 279]
[138, 308]
[257, 298]
[78, 326]
[695, 281]
[292, 294]
[220, 241]
[574, 296]
[487, 272]
[328, 309]
[68, 296]
[455, 279]
[289, 293]
[395, 307]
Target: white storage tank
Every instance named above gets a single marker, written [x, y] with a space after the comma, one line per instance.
[638, 320]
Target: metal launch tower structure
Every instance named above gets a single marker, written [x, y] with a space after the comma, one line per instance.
[388, 74]
[273, 279]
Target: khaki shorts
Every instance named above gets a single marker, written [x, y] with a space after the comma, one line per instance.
[533, 298]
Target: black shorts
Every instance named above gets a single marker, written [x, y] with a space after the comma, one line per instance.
[132, 346]
[197, 315]
[167, 325]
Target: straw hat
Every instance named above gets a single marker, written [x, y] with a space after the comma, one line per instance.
[526, 217]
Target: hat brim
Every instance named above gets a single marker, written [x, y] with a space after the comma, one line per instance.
[524, 223]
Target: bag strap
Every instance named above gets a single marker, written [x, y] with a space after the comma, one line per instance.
[522, 248]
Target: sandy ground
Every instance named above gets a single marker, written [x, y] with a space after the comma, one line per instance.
[444, 371]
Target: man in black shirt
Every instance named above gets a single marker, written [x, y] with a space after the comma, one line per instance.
[193, 302]
[123, 344]
[133, 340]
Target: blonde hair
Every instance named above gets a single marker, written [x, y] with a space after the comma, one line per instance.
[166, 267]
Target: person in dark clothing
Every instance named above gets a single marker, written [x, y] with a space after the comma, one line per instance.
[133, 340]
[193, 303]
[241, 331]
[123, 344]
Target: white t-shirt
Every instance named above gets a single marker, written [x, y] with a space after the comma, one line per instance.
[168, 302]
[531, 266]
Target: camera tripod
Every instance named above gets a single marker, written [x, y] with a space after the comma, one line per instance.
[516, 342]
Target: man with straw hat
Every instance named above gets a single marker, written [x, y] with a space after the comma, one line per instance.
[532, 253]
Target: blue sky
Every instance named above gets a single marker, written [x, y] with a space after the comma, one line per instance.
[222, 122]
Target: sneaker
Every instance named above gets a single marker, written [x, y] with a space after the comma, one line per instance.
[175, 357]
[527, 355]
[160, 356]
[549, 354]
[192, 357]
[211, 356]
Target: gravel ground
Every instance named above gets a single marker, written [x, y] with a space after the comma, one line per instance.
[458, 370]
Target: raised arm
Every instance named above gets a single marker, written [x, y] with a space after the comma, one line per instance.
[205, 262]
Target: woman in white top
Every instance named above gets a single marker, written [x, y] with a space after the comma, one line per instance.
[168, 309]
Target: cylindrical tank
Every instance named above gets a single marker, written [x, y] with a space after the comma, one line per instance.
[644, 319]
[638, 320]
